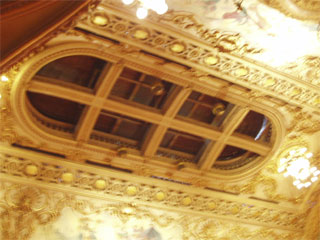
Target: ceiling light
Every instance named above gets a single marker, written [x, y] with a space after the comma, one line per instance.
[158, 6]
[157, 89]
[295, 163]
[4, 78]
[127, 2]
[142, 13]
[218, 109]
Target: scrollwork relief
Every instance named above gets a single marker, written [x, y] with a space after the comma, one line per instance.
[104, 185]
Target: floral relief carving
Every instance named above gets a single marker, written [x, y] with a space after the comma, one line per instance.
[26, 210]
[104, 185]
[221, 62]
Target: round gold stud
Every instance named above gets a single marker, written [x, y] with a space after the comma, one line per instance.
[177, 47]
[131, 190]
[100, 184]
[212, 205]
[295, 91]
[269, 82]
[100, 20]
[160, 196]
[211, 60]
[317, 100]
[241, 72]
[31, 170]
[186, 201]
[235, 210]
[67, 177]
[140, 34]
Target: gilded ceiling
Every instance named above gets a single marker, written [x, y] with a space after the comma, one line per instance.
[281, 38]
[171, 127]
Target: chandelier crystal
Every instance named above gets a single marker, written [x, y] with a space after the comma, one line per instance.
[295, 163]
[158, 6]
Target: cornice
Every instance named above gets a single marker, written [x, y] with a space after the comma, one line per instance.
[230, 65]
[51, 172]
[31, 208]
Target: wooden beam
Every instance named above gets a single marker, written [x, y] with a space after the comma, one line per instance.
[61, 92]
[214, 149]
[171, 108]
[89, 117]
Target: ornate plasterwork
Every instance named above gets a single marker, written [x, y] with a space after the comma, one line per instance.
[307, 68]
[228, 65]
[300, 9]
[27, 211]
[115, 185]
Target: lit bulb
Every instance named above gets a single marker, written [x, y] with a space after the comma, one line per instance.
[307, 184]
[313, 169]
[292, 152]
[280, 169]
[4, 78]
[304, 174]
[301, 185]
[142, 13]
[283, 160]
[286, 174]
[309, 155]
[162, 9]
[127, 2]
[303, 150]
[314, 179]
[316, 173]
[296, 182]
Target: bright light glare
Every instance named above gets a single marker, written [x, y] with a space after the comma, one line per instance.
[307, 184]
[296, 182]
[300, 186]
[314, 179]
[142, 13]
[106, 232]
[127, 2]
[313, 169]
[309, 155]
[162, 9]
[4, 78]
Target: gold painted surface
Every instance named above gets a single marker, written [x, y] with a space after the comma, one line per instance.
[204, 203]
[32, 213]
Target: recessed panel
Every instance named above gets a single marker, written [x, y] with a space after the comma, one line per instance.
[122, 126]
[56, 108]
[255, 125]
[136, 87]
[206, 109]
[184, 143]
[79, 70]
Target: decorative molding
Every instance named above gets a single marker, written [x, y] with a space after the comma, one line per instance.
[307, 68]
[26, 209]
[300, 9]
[111, 53]
[116, 185]
[229, 66]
